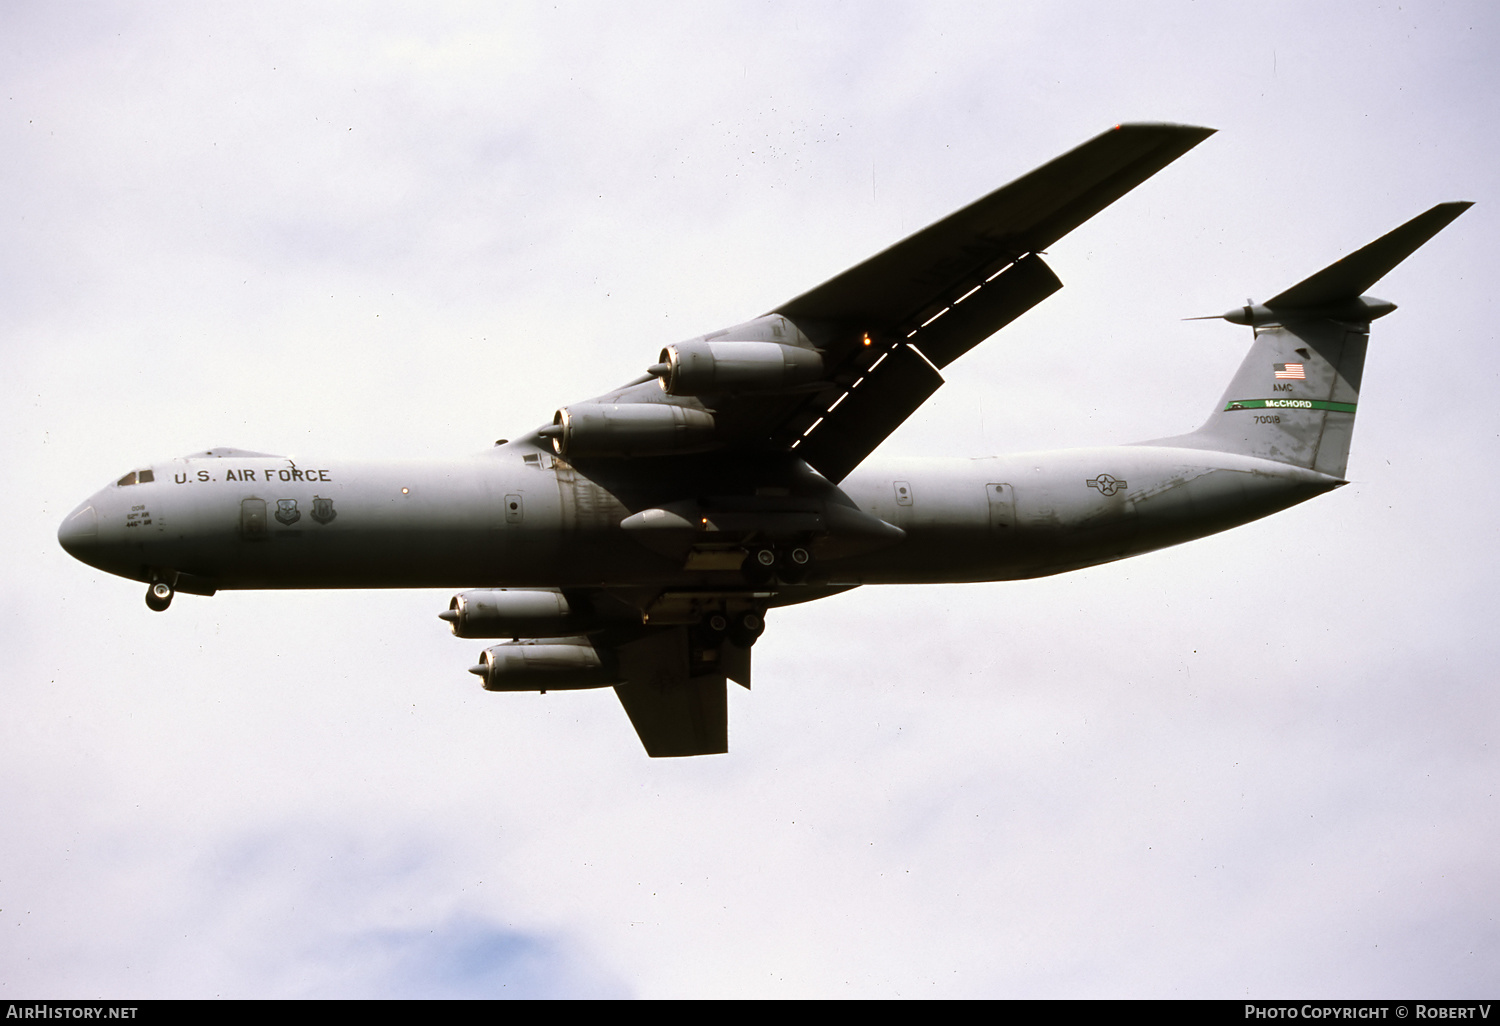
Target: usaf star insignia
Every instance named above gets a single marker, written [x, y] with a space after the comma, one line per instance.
[1107, 485]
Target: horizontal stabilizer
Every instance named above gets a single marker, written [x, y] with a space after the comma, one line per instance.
[1295, 396]
[1347, 279]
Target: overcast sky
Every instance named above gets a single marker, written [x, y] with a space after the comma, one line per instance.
[1263, 763]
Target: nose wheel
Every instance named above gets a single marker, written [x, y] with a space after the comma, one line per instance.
[159, 596]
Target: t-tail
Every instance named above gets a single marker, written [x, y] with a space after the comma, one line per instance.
[1295, 396]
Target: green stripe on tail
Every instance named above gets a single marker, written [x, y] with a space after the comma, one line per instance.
[1288, 404]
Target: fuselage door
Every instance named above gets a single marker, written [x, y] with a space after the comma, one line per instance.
[253, 519]
[1002, 500]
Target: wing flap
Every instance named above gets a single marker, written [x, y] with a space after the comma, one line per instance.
[976, 317]
[875, 405]
[735, 662]
[674, 714]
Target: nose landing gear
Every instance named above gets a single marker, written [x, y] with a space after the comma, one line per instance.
[159, 596]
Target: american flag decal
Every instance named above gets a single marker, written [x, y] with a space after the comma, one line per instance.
[1289, 371]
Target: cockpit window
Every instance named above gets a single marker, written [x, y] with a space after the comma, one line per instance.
[128, 479]
[145, 477]
[136, 477]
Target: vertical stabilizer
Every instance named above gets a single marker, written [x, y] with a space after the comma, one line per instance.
[1294, 397]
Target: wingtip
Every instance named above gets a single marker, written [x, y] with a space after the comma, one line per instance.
[1201, 131]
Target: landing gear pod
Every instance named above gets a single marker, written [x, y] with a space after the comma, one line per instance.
[557, 664]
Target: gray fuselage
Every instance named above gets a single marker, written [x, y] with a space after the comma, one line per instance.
[517, 516]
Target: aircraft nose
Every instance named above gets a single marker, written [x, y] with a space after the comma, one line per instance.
[79, 534]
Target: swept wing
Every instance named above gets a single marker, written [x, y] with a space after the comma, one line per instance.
[886, 327]
[882, 331]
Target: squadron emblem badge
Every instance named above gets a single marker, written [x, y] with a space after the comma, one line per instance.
[287, 511]
[323, 511]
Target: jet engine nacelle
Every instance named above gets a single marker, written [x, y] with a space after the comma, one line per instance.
[555, 664]
[706, 368]
[505, 613]
[607, 429]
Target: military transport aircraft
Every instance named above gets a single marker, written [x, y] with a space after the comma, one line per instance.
[638, 540]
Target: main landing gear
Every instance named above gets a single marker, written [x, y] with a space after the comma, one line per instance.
[765, 563]
[746, 627]
[741, 628]
[159, 596]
